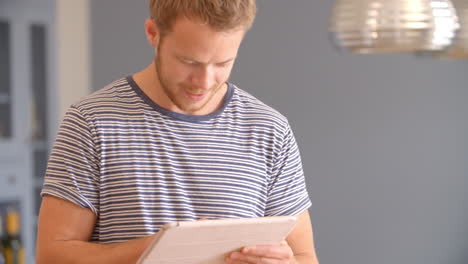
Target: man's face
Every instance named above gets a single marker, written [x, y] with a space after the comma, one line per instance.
[193, 63]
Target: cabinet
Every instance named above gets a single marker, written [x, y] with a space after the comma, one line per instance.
[44, 46]
[27, 102]
[5, 81]
[14, 192]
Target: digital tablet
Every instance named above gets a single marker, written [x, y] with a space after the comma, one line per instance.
[209, 241]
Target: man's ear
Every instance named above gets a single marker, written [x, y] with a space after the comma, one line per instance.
[151, 31]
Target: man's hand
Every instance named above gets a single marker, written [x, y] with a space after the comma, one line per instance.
[280, 254]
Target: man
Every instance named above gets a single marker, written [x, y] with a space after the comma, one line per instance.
[173, 142]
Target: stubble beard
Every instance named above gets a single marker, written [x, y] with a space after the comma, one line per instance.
[186, 107]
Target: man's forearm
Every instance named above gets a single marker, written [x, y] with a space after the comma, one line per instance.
[81, 252]
[306, 259]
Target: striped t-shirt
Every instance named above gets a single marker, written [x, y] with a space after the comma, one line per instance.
[137, 165]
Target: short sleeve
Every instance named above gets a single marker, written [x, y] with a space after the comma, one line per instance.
[287, 192]
[73, 168]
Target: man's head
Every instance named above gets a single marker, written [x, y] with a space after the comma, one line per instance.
[196, 44]
[220, 15]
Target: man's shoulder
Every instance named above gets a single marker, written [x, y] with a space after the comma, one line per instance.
[111, 92]
[117, 100]
[255, 106]
[118, 94]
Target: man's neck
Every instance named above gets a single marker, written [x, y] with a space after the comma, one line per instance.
[148, 82]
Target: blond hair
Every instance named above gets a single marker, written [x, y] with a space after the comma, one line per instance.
[221, 15]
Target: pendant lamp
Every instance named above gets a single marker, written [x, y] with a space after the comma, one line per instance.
[393, 26]
[459, 48]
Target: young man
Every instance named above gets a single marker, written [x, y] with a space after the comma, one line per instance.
[173, 142]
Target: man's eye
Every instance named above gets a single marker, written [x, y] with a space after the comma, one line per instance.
[222, 65]
[188, 62]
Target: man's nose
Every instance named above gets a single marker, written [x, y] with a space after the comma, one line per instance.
[204, 77]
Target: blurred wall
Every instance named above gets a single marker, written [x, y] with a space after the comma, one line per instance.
[118, 40]
[73, 51]
[384, 138]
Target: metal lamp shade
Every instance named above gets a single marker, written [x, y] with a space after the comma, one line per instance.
[459, 48]
[392, 26]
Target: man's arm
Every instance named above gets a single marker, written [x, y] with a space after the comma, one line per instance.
[298, 248]
[301, 240]
[64, 231]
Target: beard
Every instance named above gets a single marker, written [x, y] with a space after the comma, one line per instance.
[179, 100]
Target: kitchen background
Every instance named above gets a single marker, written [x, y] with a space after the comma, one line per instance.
[383, 138]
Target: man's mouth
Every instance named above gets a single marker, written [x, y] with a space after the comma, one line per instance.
[195, 96]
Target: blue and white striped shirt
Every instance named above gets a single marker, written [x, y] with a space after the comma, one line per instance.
[138, 166]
